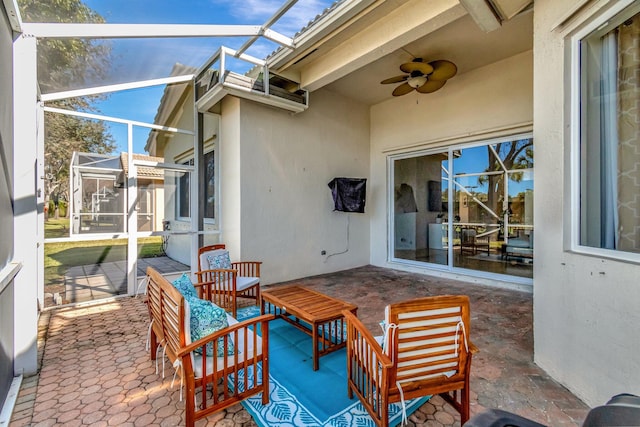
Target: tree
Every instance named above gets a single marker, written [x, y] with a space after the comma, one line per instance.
[65, 64]
[514, 155]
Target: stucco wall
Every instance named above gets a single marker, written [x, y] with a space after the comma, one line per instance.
[283, 163]
[585, 308]
[492, 100]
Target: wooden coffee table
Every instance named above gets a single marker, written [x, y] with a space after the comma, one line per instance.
[321, 314]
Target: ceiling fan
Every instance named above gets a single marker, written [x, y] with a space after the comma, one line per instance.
[425, 77]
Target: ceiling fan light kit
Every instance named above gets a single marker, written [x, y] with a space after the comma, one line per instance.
[416, 82]
[425, 77]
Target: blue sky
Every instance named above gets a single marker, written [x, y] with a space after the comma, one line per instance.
[143, 59]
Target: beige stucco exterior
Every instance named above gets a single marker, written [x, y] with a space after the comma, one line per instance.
[585, 307]
[275, 168]
[276, 207]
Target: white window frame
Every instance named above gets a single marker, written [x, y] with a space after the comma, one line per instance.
[576, 131]
[187, 159]
[190, 163]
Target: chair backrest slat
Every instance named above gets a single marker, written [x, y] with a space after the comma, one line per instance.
[429, 337]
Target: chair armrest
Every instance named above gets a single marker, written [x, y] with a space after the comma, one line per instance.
[472, 348]
[367, 342]
[251, 324]
[211, 283]
[368, 368]
[247, 268]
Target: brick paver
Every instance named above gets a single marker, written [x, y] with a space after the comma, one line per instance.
[95, 370]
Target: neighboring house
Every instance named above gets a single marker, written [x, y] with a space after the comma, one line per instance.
[150, 184]
[559, 74]
[99, 191]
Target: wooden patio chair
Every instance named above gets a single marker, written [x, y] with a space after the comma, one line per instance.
[217, 371]
[470, 242]
[224, 286]
[425, 351]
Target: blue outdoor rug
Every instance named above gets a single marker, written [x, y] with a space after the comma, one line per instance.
[302, 397]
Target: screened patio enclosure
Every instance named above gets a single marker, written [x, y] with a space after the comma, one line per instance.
[97, 196]
[112, 230]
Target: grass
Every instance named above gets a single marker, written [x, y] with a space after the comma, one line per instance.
[54, 228]
[58, 257]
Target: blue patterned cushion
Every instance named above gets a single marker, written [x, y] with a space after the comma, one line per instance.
[205, 319]
[185, 287]
[220, 260]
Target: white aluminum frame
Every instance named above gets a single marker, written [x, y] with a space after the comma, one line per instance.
[572, 242]
[28, 129]
[131, 232]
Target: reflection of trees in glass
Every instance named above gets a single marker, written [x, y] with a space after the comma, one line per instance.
[65, 64]
[209, 189]
[512, 155]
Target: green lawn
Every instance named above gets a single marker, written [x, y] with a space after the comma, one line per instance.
[58, 257]
[54, 228]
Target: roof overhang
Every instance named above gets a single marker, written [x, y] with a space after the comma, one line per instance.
[374, 31]
[489, 14]
[210, 99]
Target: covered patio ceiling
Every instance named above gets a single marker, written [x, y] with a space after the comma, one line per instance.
[461, 42]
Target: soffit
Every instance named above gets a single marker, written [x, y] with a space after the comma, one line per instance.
[461, 42]
[382, 27]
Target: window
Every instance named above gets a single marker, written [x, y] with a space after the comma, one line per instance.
[183, 192]
[209, 188]
[209, 185]
[610, 134]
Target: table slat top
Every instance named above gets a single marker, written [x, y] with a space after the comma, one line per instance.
[305, 303]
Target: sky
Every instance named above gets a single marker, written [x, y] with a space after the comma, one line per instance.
[144, 59]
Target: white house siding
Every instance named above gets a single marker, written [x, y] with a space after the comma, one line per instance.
[585, 308]
[493, 100]
[275, 170]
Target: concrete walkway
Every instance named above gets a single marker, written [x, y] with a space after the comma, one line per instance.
[97, 281]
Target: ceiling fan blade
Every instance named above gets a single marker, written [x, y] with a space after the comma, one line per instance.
[396, 79]
[431, 86]
[423, 67]
[403, 89]
[443, 70]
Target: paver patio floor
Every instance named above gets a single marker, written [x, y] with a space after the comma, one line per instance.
[95, 370]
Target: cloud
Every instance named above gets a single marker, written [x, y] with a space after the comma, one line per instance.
[258, 11]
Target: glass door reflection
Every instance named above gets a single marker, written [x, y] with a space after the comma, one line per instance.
[420, 209]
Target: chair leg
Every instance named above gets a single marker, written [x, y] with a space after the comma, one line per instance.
[234, 307]
[464, 403]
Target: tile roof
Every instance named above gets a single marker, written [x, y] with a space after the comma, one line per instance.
[145, 172]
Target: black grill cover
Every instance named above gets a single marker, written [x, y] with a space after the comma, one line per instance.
[348, 194]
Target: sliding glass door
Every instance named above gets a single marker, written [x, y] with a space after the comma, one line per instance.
[469, 208]
[420, 193]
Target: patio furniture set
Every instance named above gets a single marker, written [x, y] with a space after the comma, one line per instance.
[425, 348]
